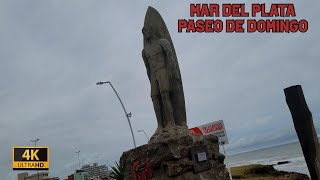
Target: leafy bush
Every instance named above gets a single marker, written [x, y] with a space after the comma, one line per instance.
[117, 172]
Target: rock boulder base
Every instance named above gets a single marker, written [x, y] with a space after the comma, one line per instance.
[185, 158]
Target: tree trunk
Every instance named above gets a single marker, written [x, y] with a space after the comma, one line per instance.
[303, 123]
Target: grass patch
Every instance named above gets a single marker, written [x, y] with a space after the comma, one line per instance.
[255, 172]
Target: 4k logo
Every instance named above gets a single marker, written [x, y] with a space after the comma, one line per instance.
[30, 158]
[33, 154]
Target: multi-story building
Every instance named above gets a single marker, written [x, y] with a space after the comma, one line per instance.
[70, 177]
[81, 175]
[51, 178]
[95, 178]
[96, 171]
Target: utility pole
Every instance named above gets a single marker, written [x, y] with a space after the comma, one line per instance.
[225, 155]
[35, 144]
[97, 159]
[35, 141]
[78, 152]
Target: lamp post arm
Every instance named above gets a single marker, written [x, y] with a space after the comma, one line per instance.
[146, 135]
[124, 109]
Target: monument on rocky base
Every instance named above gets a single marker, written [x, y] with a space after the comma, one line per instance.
[172, 152]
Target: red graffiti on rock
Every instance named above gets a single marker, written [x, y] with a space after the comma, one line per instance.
[141, 172]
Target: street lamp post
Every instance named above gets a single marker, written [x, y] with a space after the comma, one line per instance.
[144, 133]
[78, 152]
[128, 115]
[35, 141]
[35, 144]
[225, 154]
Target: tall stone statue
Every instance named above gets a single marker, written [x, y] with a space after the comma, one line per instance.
[172, 152]
[164, 74]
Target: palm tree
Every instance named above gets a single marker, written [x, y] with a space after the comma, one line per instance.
[117, 172]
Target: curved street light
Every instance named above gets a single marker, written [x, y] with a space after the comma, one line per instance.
[144, 133]
[128, 115]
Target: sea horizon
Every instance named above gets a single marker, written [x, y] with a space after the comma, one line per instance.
[290, 152]
[261, 147]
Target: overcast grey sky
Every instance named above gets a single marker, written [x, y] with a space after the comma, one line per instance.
[53, 52]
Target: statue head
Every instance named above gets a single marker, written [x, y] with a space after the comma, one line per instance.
[147, 32]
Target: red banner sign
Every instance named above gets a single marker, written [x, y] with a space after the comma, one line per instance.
[214, 128]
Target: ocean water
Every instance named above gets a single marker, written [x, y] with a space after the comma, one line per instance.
[288, 152]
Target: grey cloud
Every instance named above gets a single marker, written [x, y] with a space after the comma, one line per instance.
[52, 53]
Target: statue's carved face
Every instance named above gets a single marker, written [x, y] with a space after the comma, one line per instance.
[147, 32]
